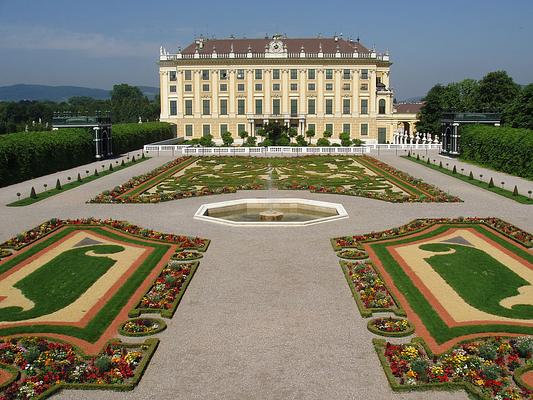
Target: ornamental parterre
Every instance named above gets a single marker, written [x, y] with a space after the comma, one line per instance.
[485, 367]
[390, 325]
[45, 365]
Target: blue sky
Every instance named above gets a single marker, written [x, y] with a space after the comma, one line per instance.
[100, 43]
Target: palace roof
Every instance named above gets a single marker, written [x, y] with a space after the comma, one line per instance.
[309, 45]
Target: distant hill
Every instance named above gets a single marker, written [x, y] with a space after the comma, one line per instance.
[60, 93]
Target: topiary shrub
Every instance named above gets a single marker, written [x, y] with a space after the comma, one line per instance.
[33, 194]
[122, 163]
[58, 185]
[454, 171]
[79, 177]
[96, 172]
[418, 157]
[440, 164]
[111, 167]
[515, 191]
[103, 363]
[471, 176]
[491, 183]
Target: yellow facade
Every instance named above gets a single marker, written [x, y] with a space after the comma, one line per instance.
[214, 92]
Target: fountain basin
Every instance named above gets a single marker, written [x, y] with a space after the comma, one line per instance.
[271, 212]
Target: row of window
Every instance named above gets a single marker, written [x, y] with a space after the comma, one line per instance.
[276, 107]
[276, 87]
[258, 74]
[223, 128]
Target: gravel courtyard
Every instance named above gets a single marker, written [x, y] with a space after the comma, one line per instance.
[269, 314]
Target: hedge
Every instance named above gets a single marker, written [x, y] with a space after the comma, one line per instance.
[504, 149]
[128, 137]
[27, 155]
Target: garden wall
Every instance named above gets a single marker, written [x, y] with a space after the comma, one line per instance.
[504, 149]
[28, 155]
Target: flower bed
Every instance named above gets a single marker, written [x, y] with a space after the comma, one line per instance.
[168, 288]
[368, 289]
[186, 255]
[509, 230]
[4, 253]
[484, 367]
[47, 366]
[114, 195]
[142, 327]
[389, 326]
[184, 242]
[352, 254]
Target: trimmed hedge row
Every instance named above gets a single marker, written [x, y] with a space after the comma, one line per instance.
[504, 149]
[28, 155]
[128, 137]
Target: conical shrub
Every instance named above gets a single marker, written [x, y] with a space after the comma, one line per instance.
[96, 172]
[471, 176]
[491, 183]
[58, 185]
[454, 171]
[79, 177]
[515, 191]
[111, 167]
[33, 194]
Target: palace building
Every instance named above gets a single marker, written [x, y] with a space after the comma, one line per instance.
[321, 84]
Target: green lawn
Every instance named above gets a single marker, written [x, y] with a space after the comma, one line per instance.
[462, 276]
[71, 185]
[58, 282]
[520, 198]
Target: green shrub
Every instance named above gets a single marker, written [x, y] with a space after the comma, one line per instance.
[488, 351]
[31, 354]
[128, 137]
[33, 194]
[323, 142]
[471, 176]
[58, 185]
[491, 183]
[28, 155]
[501, 148]
[103, 363]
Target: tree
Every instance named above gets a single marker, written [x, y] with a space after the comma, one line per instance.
[284, 140]
[345, 139]
[323, 142]
[429, 118]
[327, 134]
[519, 113]
[310, 134]
[300, 140]
[292, 132]
[243, 135]
[251, 141]
[227, 139]
[128, 104]
[207, 140]
[496, 91]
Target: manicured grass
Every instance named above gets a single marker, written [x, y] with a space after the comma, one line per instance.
[61, 281]
[112, 307]
[520, 198]
[71, 185]
[483, 283]
[421, 306]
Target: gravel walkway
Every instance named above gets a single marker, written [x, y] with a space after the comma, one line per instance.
[269, 314]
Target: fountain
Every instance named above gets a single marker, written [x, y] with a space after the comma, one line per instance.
[273, 212]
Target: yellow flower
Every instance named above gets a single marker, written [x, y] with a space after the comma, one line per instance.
[411, 374]
[479, 382]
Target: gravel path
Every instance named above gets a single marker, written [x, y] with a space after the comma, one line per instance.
[269, 314]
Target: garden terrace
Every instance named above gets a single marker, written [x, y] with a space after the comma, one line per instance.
[359, 176]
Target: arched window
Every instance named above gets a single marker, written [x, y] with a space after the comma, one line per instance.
[382, 104]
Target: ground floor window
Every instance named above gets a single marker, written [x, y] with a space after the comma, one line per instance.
[329, 128]
[382, 135]
[364, 129]
[241, 128]
[188, 130]
[346, 128]
[311, 127]
[206, 130]
[223, 128]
